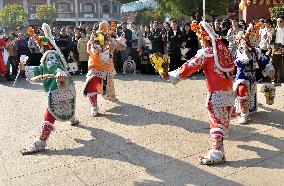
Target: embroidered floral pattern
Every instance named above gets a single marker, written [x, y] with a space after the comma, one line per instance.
[63, 108]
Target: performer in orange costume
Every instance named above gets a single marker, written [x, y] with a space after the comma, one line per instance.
[100, 66]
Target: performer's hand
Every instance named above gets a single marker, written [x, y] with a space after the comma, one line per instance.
[21, 66]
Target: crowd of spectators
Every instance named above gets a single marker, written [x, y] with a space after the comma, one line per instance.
[179, 42]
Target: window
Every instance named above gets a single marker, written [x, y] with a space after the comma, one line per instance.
[115, 9]
[33, 8]
[88, 8]
[63, 7]
[105, 9]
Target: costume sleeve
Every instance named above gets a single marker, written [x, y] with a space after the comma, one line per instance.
[191, 66]
[264, 63]
[32, 71]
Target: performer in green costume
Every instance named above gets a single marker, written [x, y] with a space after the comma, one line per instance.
[58, 85]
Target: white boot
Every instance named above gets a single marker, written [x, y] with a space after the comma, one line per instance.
[94, 111]
[37, 146]
[216, 155]
[243, 119]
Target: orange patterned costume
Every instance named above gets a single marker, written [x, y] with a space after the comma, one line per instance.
[100, 67]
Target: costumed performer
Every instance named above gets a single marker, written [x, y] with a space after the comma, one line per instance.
[248, 58]
[58, 86]
[218, 65]
[101, 67]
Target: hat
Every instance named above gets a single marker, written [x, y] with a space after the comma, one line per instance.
[222, 56]
[201, 34]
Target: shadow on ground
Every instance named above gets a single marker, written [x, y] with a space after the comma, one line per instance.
[168, 170]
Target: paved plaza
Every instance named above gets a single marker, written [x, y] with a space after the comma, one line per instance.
[152, 135]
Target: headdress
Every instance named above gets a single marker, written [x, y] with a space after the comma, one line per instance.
[40, 40]
[201, 34]
[222, 56]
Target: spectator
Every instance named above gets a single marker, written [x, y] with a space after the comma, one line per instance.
[74, 49]
[76, 31]
[232, 33]
[83, 54]
[56, 34]
[70, 31]
[242, 25]
[278, 52]
[118, 31]
[22, 46]
[265, 36]
[19, 30]
[164, 33]
[12, 50]
[174, 41]
[35, 54]
[117, 58]
[82, 26]
[137, 41]
[147, 44]
[157, 39]
[40, 32]
[88, 32]
[224, 29]
[190, 41]
[217, 27]
[95, 28]
[261, 22]
[65, 43]
[128, 36]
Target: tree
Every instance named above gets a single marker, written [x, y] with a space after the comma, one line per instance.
[177, 8]
[13, 16]
[277, 11]
[146, 15]
[215, 9]
[46, 14]
[193, 8]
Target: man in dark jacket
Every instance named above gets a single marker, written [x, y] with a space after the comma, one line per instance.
[65, 43]
[175, 40]
[156, 39]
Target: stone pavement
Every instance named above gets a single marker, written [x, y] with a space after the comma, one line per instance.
[153, 135]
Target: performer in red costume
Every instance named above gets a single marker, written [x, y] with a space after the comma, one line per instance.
[217, 62]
